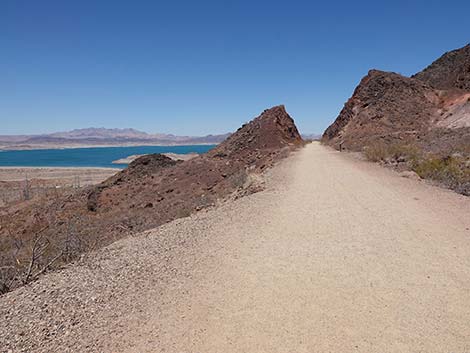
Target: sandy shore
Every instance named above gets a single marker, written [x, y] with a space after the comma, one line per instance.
[174, 156]
[59, 175]
[41, 180]
[93, 175]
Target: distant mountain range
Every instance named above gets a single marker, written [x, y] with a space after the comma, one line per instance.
[102, 137]
[311, 136]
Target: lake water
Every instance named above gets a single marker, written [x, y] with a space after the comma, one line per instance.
[87, 157]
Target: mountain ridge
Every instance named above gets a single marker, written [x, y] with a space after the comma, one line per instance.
[90, 137]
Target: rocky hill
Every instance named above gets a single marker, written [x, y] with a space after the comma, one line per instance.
[385, 105]
[153, 190]
[422, 122]
[388, 107]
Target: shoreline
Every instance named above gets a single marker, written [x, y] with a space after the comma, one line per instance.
[60, 175]
[59, 167]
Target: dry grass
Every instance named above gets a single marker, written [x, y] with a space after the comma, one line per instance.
[452, 171]
[381, 152]
[450, 168]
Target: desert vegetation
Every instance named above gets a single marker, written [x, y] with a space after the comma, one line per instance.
[450, 169]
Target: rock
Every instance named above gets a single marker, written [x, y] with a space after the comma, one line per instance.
[409, 174]
[401, 159]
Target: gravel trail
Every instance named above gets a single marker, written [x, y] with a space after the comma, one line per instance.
[336, 255]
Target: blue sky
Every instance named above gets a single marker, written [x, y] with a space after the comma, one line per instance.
[199, 67]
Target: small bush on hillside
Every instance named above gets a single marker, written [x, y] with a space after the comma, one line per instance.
[452, 171]
[382, 152]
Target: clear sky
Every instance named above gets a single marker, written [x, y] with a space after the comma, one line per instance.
[199, 67]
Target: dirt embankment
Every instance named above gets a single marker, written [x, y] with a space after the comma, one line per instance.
[153, 190]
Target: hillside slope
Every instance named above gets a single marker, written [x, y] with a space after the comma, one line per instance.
[153, 190]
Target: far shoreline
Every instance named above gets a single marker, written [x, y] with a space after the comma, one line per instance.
[65, 176]
[69, 147]
[59, 167]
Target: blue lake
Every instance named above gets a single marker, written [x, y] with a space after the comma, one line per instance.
[87, 157]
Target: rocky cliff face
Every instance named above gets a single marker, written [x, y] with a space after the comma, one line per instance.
[273, 130]
[387, 107]
[451, 70]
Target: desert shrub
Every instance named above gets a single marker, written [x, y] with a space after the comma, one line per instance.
[452, 171]
[183, 212]
[375, 153]
[237, 180]
[24, 258]
[382, 152]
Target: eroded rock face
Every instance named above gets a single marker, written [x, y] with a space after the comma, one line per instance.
[387, 107]
[384, 105]
[273, 129]
[451, 70]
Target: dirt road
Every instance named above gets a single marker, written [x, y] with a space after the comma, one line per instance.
[337, 255]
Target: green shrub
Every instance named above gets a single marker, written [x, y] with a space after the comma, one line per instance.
[453, 172]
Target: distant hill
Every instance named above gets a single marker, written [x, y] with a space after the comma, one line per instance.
[102, 133]
[102, 137]
[311, 136]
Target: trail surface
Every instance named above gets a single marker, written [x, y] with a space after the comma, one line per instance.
[336, 255]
